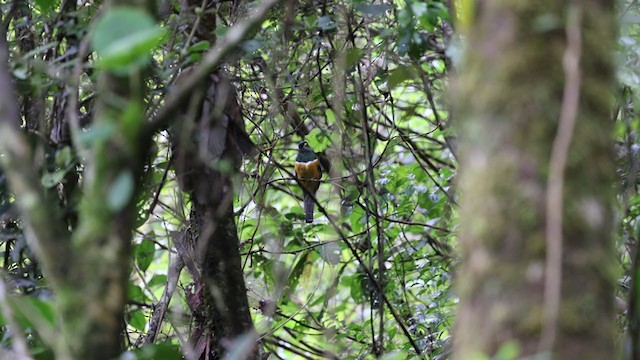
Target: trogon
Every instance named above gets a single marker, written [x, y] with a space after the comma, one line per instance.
[308, 173]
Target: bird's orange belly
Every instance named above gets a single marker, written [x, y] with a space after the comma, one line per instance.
[309, 170]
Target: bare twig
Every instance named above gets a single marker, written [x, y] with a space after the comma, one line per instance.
[555, 182]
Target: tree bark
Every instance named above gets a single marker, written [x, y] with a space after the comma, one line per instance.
[536, 180]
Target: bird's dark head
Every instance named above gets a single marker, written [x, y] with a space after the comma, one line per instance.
[303, 146]
[305, 152]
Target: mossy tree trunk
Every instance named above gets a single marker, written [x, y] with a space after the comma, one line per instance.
[536, 179]
[87, 266]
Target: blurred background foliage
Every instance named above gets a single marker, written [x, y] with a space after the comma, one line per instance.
[365, 84]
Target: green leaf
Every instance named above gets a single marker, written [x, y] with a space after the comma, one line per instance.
[251, 45]
[64, 157]
[46, 5]
[395, 355]
[355, 287]
[162, 351]
[330, 252]
[51, 179]
[372, 10]
[200, 46]
[145, 252]
[318, 140]
[96, 134]
[353, 56]
[132, 118]
[124, 38]
[508, 351]
[294, 275]
[326, 23]
[134, 292]
[120, 191]
[356, 219]
[158, 280]
[31, 310]
[137, 320]
[400, 74]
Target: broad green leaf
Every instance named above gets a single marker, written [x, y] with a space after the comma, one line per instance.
[132, 118]
[96, 134]
[134, 292]
[353, 57]
[120, 191]
[64, 157]
[330, 252]
[124, 38]
[200, 46]
[400, 74]
[162, 351]
[30, 310]
[145, 252]
[326, 23]
[395, 355]
[508, 351]
[51, 179]
[137, 320]
[372, 10]
[251, 45]
[318, 140]
[158, 280]
[46, 5]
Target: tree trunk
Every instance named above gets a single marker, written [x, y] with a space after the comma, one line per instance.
[536, 179]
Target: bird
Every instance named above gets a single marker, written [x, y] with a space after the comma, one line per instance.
[308, 173]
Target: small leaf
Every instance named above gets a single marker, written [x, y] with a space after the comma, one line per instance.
[200, 46]
[134, 292]
[399, 75]
[330, 252]
[145, 252]
[137, 320]
[353, 56]
[251, 45]
[221, 31]
[46, 5]
[158, 280]
[395, 355]
[96, 134]
[508, 351]
[50, 180]
[121, 191]
[372, 10]
[64, 157]
[132, 118]
[326, 23]
[21, 73]
[162, 351]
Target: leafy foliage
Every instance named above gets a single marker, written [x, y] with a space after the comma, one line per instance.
[363, 82]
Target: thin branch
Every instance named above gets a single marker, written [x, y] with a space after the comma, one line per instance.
[18, 341]
[370, 276]
[212, 58]
[555, 182]
[41, 230]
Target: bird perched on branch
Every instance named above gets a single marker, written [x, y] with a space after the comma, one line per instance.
[308, 173]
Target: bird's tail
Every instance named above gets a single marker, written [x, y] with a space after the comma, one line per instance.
[308, 208]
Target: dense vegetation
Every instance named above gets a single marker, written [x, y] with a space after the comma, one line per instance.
[122, 141]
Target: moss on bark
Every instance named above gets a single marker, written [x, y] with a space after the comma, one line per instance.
[511, 91]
